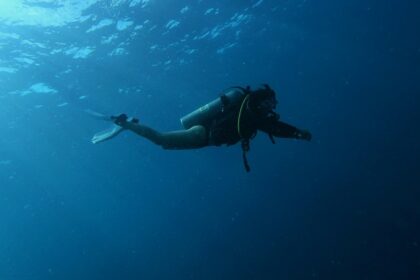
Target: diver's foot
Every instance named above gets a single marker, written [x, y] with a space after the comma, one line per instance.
[122, 120]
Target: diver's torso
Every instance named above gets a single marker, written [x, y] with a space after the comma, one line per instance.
[224, 131]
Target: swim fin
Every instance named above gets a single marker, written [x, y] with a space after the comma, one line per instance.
[102, 136]
[99, 116]
[107, 134]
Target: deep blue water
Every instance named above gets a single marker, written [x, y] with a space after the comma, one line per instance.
[344, 206]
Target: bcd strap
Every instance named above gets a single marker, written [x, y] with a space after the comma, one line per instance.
[245, 150]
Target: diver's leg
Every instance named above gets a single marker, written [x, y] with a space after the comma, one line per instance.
[195, 137]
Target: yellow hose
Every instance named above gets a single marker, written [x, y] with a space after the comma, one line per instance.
[240, 115]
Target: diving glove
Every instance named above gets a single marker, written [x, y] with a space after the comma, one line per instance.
[304, 135]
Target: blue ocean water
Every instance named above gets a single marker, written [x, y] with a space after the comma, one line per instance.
[343, 206]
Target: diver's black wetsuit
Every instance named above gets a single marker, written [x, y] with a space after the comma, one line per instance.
[237, 121]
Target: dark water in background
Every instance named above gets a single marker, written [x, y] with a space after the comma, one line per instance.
[345, 206]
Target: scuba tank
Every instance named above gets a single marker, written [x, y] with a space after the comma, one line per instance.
[212, 110]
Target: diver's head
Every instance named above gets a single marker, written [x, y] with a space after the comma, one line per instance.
[263, 101]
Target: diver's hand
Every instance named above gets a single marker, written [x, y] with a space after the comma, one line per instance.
[304, 135]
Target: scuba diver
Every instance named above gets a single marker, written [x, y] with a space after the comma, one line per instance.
[234, 117]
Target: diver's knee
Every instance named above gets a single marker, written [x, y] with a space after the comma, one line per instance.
[199, 132]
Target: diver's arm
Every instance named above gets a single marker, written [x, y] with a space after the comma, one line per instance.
[281, 129]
